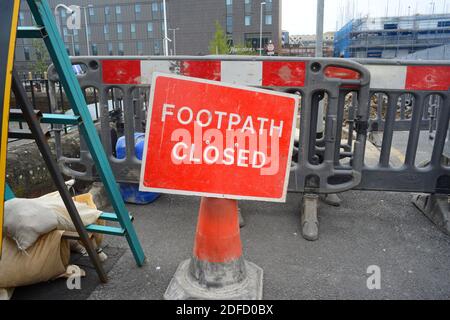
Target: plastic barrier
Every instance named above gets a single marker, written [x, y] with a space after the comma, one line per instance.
[408, 96]
[416, 98]
[123, 84]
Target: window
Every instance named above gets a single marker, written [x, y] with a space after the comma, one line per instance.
[121, 53]
[229, 24]
[140, 48]
[133, 30]
[268, 5]
[94, 49]
[63, 13]
[155, 7]
[107, 14]
[26, 52]
[150, 30]
[91, 11]
[268, 19]
[77, 49]
[110, 49]
[248, 6]
[443, 24]
[229, 5]
[157, 46]
[119, 31]
[106, 31]
[21, 18]
[390, 26]
[248, 20]
[118, 10]
[137, 10]
[75, 35]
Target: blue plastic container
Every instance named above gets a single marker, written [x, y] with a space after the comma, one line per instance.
[130, 191]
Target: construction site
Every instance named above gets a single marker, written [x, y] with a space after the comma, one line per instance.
[393, 37]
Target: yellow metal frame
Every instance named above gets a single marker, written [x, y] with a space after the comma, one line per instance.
[5, 116]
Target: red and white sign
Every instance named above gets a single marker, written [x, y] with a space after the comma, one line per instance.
[213, 139]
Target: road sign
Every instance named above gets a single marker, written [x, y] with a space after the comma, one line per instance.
[10, 12]
[270, 49]
[213, 139]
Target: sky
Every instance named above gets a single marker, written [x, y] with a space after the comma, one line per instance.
[299, 16]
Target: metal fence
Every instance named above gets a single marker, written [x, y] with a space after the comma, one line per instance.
[358, 97]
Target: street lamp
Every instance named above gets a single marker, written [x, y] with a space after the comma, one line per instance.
[174, 30]
[260, 29]
[166, 39]
[86, 27]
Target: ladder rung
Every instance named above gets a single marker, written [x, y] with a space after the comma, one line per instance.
[71, 235]
[60, 119]
[113, 231]
[30, 32]
[26, 135]
[16, 115]
[111, 217]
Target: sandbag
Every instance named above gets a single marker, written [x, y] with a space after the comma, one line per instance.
[44, 261]
[84, 204]
[28, 219]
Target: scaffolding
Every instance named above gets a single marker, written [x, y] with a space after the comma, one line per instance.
[391, 37]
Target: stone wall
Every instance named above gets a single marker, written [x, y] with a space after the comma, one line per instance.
[26, 172]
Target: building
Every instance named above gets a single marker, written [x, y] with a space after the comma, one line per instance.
[305, 45]
[436, 53]
[391, 37]
[134, 27]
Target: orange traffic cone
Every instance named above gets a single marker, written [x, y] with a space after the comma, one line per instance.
[217, 269]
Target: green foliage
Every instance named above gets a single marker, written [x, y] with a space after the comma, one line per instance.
[42, 57]
[219, 44]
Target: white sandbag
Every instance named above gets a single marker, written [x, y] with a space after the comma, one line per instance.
[28, 219]
[88, 214]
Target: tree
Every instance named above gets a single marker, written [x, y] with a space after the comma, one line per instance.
[219, 44]
[42, 57]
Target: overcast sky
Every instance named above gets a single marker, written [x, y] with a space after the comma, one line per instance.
[299, 16]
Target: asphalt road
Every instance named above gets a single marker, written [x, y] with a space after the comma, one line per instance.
[370, 228]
